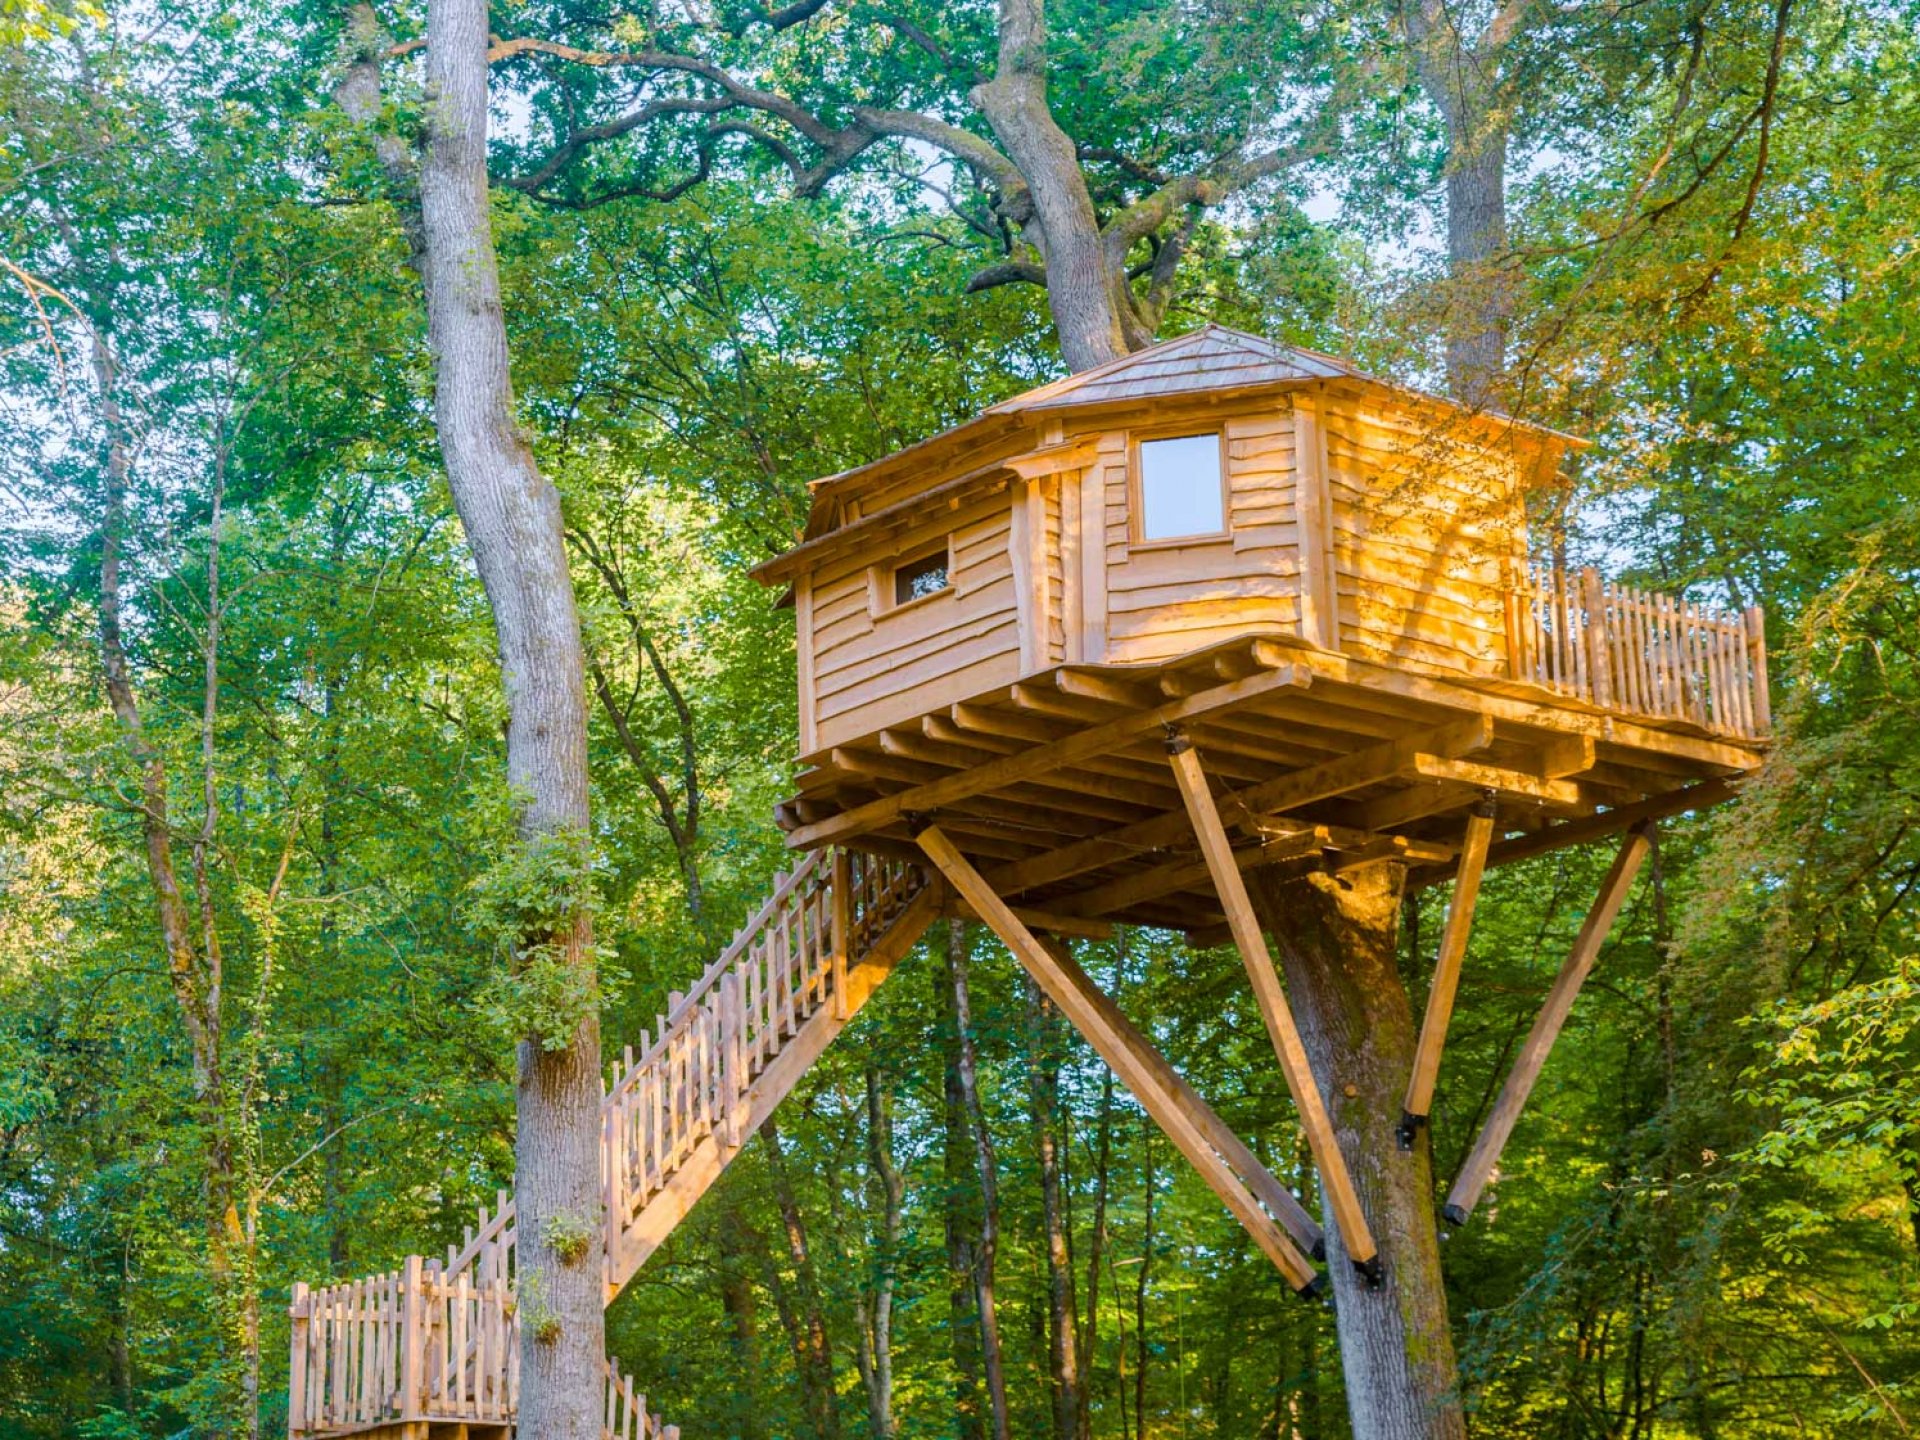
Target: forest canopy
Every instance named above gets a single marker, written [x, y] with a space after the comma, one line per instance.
[271, 869]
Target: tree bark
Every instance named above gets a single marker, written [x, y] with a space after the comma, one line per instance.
[1085, 289]
[892, 1188]
[1336, 936]
[986, 1255]
[511, 515]
[957, 1213]
[1043, 1090]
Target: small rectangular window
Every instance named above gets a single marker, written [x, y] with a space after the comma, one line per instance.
[917, 579]
[1181, 494]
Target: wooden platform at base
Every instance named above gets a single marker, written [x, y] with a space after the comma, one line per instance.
[428, 1429]
[1058, 787]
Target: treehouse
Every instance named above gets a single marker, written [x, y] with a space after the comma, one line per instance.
[1295, 563]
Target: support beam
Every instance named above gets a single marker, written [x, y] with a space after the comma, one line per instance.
[1125, 1062]
[1218, 852]
[1547, 1025]
[1279, 1201]
[1011, 769]
[1285, 792]
[1446, 975]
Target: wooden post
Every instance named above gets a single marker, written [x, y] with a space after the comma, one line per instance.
[413, 1339]
[1593, 598]
[1446, 975]
[1218, 851]
[300, 1312]
[1313, 505]
[1757, 659]
[1124, 1061]
[1546, 1026]
[842, 900]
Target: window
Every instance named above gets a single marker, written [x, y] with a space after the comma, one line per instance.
[1180, 492]
[917, 579]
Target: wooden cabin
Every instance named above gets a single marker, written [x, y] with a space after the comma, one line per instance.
[1212, 509]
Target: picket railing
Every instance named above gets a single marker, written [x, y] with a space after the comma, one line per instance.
[1639, 652]
[436, 1340]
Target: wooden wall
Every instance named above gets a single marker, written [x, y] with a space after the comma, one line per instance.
[868, 671]
[1158, 601]
[1427, 523]
[1354, 524]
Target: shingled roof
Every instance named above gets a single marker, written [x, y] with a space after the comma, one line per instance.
[1210, 358]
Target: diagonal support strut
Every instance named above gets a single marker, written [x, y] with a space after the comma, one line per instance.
[1547, 1024]
[1095, 1023]
[1218, 852]
[1446, 976]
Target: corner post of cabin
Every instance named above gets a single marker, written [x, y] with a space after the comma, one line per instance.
[1217, 851]
[1124, 1051]
[1446, 974]
[413, 1339]
[1313, 512]
[1594, 930]
[1757, 667]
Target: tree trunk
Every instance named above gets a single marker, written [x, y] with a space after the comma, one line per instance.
[1085, 292]
[892, 1188]
[986, 1255]
[1336, 940]
[957, 1213]
[813, 1349]
[1043, 1090]
[511, 515]
[743, 1327]
[1482, 307]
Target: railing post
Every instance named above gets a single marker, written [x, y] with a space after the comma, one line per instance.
[413, 1339]
[1593, 599]
[842, 899]
[300, 1310]
[1757, 664]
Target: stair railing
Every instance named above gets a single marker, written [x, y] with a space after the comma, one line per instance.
[437, 1338]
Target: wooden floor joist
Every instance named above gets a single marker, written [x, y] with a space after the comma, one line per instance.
[1446, 976]
[1123, 1058]
[1547, 1025]
[1274, 1011]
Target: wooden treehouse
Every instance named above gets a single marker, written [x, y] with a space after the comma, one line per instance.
[1086, 659]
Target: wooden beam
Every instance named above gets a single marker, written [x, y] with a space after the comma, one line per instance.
[1342, 1200]
[1283, 793]
[1010, 769]
[1047, 921]
[1123, 1059]
[1546, 1026]
[1590, 827]
[1280, 1202]
[1446, 976]
[1495, 777]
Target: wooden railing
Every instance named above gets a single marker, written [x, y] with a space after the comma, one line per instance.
[436, 1339]
[1639, 652]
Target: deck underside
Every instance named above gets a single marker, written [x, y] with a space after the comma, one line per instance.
[1058, 788]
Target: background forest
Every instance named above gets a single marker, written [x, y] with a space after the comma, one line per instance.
[229, 568]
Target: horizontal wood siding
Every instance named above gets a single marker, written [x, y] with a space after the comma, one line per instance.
[871, 671]
[1426, 531]
[1162, 601]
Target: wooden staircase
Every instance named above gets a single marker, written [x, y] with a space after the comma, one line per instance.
[432, 1349]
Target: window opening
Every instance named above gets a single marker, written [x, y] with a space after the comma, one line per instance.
[917, 579]
[1181, 494]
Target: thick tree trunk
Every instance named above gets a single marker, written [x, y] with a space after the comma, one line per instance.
[512, 519]
[1482, 307]
[1086, 294]
[1336, 939]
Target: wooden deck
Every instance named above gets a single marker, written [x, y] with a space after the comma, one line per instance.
[1058, 786]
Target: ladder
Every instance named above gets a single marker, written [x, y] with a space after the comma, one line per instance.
[433, 1346]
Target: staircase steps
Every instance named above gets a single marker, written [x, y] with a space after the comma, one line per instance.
[434, 1344]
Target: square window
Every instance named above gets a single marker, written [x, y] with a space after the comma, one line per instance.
[917, 579]
[1180, 488]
